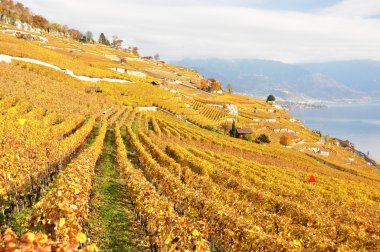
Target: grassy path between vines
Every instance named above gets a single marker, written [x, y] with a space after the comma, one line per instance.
[112, 225]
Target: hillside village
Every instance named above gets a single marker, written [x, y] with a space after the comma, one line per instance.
[173, 134]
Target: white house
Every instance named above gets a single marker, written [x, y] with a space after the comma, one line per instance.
[230, 119]
[232, 109]
[148, 108]
[324, 153]
[217, 92]
[117, 69]
[135, 73]
[271, 120]
[313, 149]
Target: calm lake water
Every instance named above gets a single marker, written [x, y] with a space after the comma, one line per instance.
[359, 123]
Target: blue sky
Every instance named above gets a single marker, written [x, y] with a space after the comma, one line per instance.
[284, 30]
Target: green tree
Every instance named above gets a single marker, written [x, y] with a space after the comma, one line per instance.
[271, 98]
[233, 130]
[103, 40]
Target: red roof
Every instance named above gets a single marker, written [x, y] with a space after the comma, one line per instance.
[244, 131]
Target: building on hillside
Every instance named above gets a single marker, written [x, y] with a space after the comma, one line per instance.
[220, 92]
[230, 119]
[345, 144]
[118, 69]
[135, 73]
[119, 43]
[324, 153]
[147, 58]
[232, 109]
[241, 132]
[147, 108]
[155, 83]
[271, 120]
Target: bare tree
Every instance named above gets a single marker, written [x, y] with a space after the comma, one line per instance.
[156, 56]
[89, 36]
[229, 88]
[114, 38]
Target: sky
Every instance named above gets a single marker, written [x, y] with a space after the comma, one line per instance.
[290, 31]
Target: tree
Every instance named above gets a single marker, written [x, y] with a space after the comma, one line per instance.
[229, 88]
[271, 98]
[214, 86]
[65, 29]
[286, 140]
[225, 127]
[103, 40]
[135, 51]
[55, 27]
[40, 22]
[89, 36]
[75, 34]
[203, 84]
[262, 139]
[248, 137]
[156, 56]
[233, 130]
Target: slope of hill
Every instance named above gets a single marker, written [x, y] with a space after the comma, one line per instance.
[361, 75]
[159, 148]
[324, 81]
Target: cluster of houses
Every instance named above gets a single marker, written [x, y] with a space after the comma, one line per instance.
[129, 72]
[344, 143]
[270, 120]
[284, 130]
[319, 151]
[121, 46]
[147, 108]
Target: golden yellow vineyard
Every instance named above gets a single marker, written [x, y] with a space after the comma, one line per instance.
[189, 184]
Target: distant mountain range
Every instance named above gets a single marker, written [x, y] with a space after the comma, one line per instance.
[331, 81]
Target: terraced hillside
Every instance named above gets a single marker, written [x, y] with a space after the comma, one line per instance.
[143, 160]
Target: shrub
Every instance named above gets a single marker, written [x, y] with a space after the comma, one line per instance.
[286, 140]
[248, 137]
[262, 139]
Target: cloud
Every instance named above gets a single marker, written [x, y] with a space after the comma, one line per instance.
[216, 28]
[354, 9]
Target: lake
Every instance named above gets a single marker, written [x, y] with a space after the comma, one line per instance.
[359, 123]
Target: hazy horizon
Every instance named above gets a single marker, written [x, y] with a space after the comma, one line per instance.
[292, 31]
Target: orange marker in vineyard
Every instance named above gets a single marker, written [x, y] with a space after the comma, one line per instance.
[312, 181]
